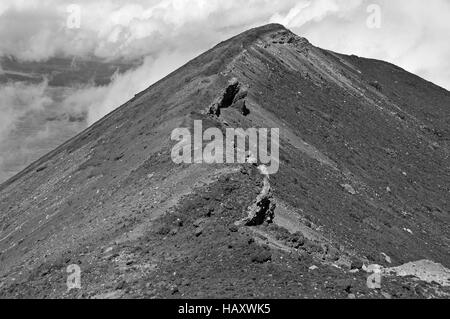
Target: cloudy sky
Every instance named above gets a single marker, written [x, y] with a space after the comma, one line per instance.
[412, 33]
[167, 33]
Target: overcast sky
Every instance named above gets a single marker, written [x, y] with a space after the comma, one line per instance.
[413, 33]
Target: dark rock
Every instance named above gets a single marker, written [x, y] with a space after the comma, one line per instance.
[263, 210]
[261, 255]
[345, 284]
[297, 240]
[120, 285]
[179, 222]
[198, 232]
[174, 290]
[356, 264]
[185, 282]
[376, 85]
[209, 212]
[40, 169]
[163, 230]
[242, 107]
[312, 247]
[199, 222]
[226, 99]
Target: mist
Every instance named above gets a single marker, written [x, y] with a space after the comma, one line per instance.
[35, 118]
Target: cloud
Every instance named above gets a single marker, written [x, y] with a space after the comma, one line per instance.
[100, 100]
[124, 29]
[413, 34]
[315, 11]
[17, 99]
[35, 118]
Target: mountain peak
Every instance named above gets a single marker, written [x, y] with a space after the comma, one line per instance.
[363, 156]
[271, 27]
[273, 30]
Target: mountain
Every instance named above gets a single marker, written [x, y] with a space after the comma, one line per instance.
[63, 71]
[363, 183]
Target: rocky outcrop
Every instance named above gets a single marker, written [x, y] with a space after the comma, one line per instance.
[235, 92]
[263, 209]
[242, 107]
[425, 270]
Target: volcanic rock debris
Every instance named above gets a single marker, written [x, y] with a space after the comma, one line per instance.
[234, 93]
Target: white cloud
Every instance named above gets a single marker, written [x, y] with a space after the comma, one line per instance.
[16, 100]
[413, 34]
[98, 101]
[315, 11]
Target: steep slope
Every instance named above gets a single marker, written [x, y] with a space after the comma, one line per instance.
[364, 178]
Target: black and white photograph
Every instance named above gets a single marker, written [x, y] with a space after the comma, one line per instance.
[223, 156]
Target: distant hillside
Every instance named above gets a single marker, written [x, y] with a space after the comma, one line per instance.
[66, 72]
